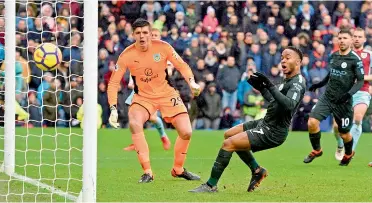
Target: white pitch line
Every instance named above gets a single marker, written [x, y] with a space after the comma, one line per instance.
[45, 186]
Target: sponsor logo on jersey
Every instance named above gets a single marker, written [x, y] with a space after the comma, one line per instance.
[149, 75]
[281, 87]
[363, 55]
[338, 73]
[156, 57]
[343, 65]
[297, 86]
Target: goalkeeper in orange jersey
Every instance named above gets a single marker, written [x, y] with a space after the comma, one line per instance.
[146, 60]
[155, 33]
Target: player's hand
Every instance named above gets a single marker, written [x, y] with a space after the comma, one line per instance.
[266, 83]
[113, 120]
[343, 99]
[195, 88]
[253, 81]
[313, 87]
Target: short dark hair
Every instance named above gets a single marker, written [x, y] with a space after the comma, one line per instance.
[361, 30]
[297, 50]
[140, 22]
[345, 31]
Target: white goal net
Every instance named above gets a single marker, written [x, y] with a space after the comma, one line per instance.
[45, 153]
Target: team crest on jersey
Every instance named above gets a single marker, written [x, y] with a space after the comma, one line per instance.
[156, 57]
[363, 55]
[343, 65]
[281, 87]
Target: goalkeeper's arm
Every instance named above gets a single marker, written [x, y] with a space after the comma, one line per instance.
[112, 90]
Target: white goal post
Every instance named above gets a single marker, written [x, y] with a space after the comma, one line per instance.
[90, 51]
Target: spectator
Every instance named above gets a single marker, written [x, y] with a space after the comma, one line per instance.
[318, 73]
[306, 14]
[131, 9]
[212, 108]
[233, 27]
[150, 11]
[275, 75]
[251, 25]
[305, 70]
[270, 59]
[228, 78]
[200, 72]
[196, 106]
[226, 16]
[210, 21]
[327, 29]
[255, 54]
[211, 62]
[288, 11]
[50, 103]
[103, 101]
[339, 12]
[159, 22]
[252, 104]
[292, 29]
[34, 110]
[190, 17]
[227, 119]
[239, 50]
[299, 121]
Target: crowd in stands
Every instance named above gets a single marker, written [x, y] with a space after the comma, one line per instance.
[222, 41]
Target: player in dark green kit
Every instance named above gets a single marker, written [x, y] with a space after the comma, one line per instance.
[345, 78]
[269, 132]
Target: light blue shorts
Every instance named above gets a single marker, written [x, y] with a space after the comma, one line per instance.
[130, 98]
[361, 97]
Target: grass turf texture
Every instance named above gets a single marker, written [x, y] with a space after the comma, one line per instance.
[118, 171]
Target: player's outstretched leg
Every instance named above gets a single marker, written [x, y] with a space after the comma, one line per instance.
[340, 150]
[156, 120]
[237, 142]
[258, 173]
[356, 130]
[349, 153]
[138, 115]
[183, 126]
[315, 135]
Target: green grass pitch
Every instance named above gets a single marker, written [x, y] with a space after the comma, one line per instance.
[118, 171]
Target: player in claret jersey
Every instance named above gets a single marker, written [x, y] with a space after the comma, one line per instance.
[344, 79]
[146, 60]
[362, 98]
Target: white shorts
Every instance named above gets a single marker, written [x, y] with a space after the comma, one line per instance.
[130, 98]
[361, 97]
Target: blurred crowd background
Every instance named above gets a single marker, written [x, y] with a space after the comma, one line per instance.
[222, 41]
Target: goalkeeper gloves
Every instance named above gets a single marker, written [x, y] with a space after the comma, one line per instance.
[195, 88]
[113, 120]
